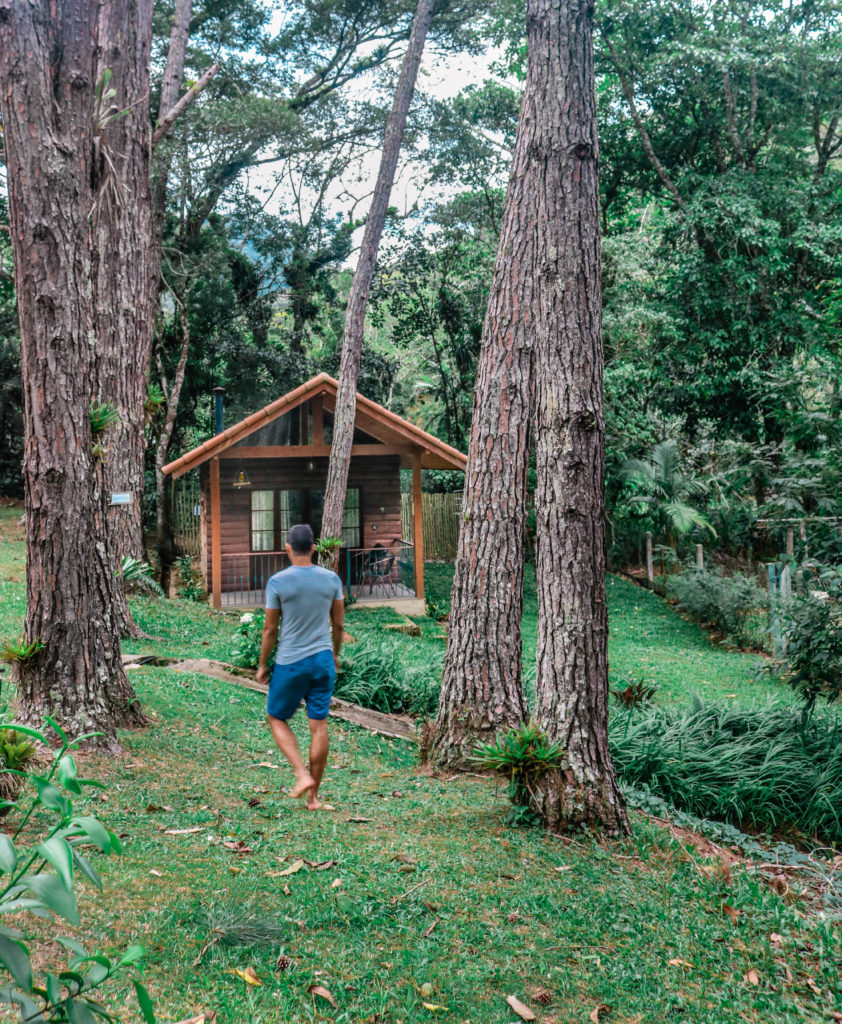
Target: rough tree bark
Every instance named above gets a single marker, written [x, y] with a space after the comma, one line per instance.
[349, 367]
[48, 70]
[572, 673]
[481, 690]
[124, 274]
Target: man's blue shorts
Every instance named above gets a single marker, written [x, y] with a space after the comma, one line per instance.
[310, 679]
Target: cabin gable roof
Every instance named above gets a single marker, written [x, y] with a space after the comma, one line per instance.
[387, 427]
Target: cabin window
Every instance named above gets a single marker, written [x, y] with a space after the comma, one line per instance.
[271, 519]
[263, 520]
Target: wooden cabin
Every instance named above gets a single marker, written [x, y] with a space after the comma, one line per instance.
[268, 472]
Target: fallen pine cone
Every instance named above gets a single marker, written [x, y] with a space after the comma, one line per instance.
[283, 963]
[543, 997]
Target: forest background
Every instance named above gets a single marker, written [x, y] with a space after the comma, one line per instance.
[720, 194]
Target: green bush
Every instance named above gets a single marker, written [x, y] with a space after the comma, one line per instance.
[245, 648]
[732, 605]
[39, 862]
[376, 674]
[812, 657]
[520, 756]
[762, 768]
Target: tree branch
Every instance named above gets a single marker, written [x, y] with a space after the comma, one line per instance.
[176, 111]
[628, 92]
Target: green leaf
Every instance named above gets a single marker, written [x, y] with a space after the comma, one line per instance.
[57, 852]
[145, 1003]
[96, 975]
[52, 893]
[87, 869]
[57, 729]
[116, 845]
[27, 731]
[50, 797]
[78, 1012]
[28, 1010]
[68, 776]
[72, 980]
[8, 855]
[15, 958]
[53, 989]
[132, 955]
[94, 830]
[72, 945]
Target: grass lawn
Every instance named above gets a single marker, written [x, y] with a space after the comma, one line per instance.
[427, 884]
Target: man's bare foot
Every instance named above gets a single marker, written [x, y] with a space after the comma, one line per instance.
[314, 804]
[302, 786]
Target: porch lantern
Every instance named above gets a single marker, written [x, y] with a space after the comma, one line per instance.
[241, 480]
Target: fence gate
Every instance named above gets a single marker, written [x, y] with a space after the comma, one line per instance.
[440, 513]
[186, 515]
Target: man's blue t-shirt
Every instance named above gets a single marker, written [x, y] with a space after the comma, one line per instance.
[304, 594]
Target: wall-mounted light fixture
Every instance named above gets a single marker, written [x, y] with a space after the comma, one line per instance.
[241, 480]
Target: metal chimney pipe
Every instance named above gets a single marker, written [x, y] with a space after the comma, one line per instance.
[219, 394]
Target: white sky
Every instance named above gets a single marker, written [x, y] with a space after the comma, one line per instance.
[441, 76]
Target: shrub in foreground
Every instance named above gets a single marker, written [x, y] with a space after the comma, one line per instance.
[761, 768]
[376, 674]
[39, 863]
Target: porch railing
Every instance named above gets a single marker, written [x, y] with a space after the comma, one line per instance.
[380, 572]
[375, 573]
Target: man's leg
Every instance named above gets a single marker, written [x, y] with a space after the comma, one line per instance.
[318, 759]
[288, 745]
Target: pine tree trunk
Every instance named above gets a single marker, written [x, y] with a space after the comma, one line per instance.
[48, 70]
[349, 367]
[123, 266]
[481, 690]
[572, 672]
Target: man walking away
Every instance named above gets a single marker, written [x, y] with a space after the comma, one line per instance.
[308, 601]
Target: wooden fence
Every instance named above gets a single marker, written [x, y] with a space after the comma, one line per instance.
[186, 515]
[441, 524]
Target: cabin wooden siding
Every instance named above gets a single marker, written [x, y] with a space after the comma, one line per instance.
[376, 476]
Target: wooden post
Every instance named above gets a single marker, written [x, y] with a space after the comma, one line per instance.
[700, 557]
[216, 535]
[318, 438]
[418, 524]
[650, 564]
[790, 541]
[802, 533]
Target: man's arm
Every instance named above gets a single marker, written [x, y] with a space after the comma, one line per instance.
[337, 626]
[267, 643]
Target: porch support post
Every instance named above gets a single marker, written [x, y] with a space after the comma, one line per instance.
[216, 535]
[417, 525]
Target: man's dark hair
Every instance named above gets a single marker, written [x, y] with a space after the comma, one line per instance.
[300, 538]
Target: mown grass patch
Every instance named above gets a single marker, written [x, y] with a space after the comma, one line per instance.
[432, 888]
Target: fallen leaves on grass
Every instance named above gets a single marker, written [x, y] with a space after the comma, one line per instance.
[157, 874]
[434, 1007]
[563, 867]
[678, 962]
[183, 831]
[320, 865]
[322, 993]
[239, 846]
[521, 1009]
[291, 870]
[596, 1011]
[752, 977]
[336, 883]
[358, 821]
[267, 764]
[731, 913]
[429, 931]
[248, 975]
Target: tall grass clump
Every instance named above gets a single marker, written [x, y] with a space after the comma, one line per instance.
[763, 768]
[381, 675]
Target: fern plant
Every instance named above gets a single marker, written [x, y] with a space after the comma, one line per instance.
[133, 570]
[521, 756]
[326, 551]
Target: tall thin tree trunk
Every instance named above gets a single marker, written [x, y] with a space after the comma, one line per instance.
[48, 69]
[124, 274]
[572, 674]
[481, 690]
[349, 367]
[172, 394]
